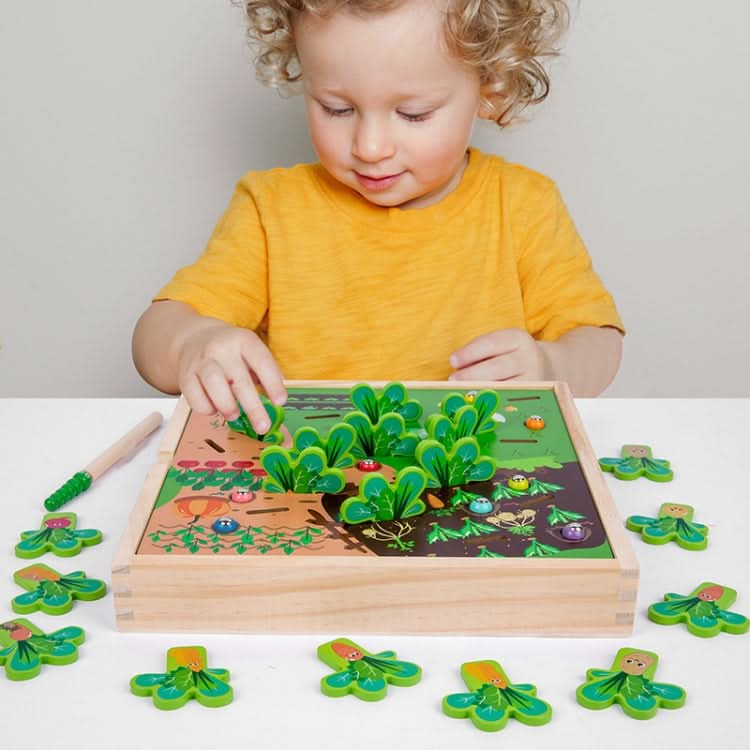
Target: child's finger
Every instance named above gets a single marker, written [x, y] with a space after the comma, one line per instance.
[245, 392]
[196, 397]
[267, 373]
[484, 347]
[504, 367]
[214, 381]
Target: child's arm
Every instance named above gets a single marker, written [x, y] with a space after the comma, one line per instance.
[587, 358]
[213, 364]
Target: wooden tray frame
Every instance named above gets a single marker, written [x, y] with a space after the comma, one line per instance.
[420, 595]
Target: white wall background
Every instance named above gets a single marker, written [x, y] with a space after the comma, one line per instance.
[124, 125]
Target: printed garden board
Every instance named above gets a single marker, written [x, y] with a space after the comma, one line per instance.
[207, 550]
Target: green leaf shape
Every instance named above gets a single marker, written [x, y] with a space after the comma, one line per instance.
[639, 697]
[336, 445]
[55, 596]
[365, 400]
[665, 528]
[24, 648]
[63, 542]
[442, 534]
[387, 438]
[378, 500]
[492, 702]
[560, 516]
[307, 473]
[537, 487]
[486, 402]
[631, 467]
[704, 617]
[462, 497]
[273, 435]
[485, 552]
[461, 419]
[503, 492]
[392, 399]
[460, 465]
[474, 528]
[173, 689]
[537, 549]
[362, 674]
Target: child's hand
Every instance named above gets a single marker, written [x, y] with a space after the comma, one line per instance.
[219, 365]
[509, 354]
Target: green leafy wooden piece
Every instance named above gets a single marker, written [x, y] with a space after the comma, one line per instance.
[393, 398]
[187, 676]
[674, 523]
[704, 611]
[386, 438]
[378, 500]
[493, 699]
[362, 674]
[630, 683]
[58, 534]
[273, 435]
[307, 473]
[337, 445]
[459, 465]
[461, 419]
[53, 592]
[638, 461]
[24, 648]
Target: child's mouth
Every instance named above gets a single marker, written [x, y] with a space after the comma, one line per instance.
[375, 184]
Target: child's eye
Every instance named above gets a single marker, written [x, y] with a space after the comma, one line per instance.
[336, 111]
[412, 117]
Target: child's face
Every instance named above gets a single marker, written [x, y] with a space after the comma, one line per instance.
[390, 112]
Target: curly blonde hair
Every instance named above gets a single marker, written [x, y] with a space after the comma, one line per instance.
[505, 40]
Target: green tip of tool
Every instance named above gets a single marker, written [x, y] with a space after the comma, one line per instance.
[77, 484]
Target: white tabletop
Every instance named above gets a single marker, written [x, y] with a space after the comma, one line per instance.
[277, 701]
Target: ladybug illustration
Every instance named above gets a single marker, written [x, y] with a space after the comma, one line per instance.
[535, 422]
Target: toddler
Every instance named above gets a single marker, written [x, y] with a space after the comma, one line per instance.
[403, 254]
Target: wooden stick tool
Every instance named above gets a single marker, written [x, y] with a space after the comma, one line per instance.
[123, 448]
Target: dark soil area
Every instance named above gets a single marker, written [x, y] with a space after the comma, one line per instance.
[511, 528]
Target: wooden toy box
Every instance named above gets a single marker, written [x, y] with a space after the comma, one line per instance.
[289, 566]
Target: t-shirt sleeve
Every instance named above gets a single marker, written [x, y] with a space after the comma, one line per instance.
[561, 290]
[230, 280]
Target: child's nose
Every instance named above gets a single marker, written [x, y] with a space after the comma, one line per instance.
[373, 140]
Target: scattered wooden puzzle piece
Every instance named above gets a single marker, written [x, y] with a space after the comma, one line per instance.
[629, 682]
[187, 677]
[24, 648]
[57, 534]
[638, 461]
[674, 523]
[361, 673]
[53, 592]
[703, 611]
[493, 699]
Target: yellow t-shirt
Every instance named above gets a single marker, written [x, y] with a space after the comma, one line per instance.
[344, 289]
